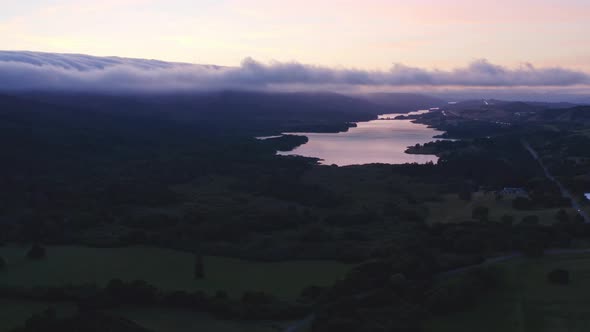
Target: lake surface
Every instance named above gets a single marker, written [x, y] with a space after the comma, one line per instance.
[377, 141]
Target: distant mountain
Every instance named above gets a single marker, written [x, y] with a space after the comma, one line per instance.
[578, 114]
[517, 111]
[553, 105]
[514, 94]
[507, 106]
[404, 102]
[240, 111]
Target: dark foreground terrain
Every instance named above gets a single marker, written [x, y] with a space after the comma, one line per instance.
[118, 209]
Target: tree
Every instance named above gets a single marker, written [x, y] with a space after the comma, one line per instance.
[312, 292]
[521, 203]
[256, 298]
[221, 295]
[562, 216]
[316, 233]
[507, 219]
[115, 287]
[559, 276]
[531, 220]
[481, 213]
[533, 249]
[199, 266]
[36, 252]
[465, 195]
[136, 292]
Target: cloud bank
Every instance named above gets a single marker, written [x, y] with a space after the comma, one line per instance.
[27, 71]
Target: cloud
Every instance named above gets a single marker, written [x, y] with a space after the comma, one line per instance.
[25, 71]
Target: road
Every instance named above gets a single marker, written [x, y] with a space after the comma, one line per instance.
[486, 262]
[301, 325]
[499, 259]
[564, 192]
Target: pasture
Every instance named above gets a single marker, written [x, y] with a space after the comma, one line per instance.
[165, 269]
[527, 302]
[454, 209]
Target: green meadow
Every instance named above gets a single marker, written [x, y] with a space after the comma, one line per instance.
[453, 209]
[165, 269]
[527, 302]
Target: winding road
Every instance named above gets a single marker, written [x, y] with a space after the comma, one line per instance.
[304, 323]
[564, 192]
[516, 254]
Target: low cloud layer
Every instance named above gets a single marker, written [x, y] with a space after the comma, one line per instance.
[22, 71]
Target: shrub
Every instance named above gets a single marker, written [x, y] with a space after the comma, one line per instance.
[221, 295]
[521, 203]
[465, 195]
[256, 298]
[456, 294]
[562, 216]
[507, 219]
[559, 276]
[36, 252]
[312, 292]
[481, 213]
[533, 249]
[316, 233]
[578, 218]
[531, 220]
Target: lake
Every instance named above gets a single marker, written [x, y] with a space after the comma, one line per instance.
[377, 141]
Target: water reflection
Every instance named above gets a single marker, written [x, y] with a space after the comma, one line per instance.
[377, 141]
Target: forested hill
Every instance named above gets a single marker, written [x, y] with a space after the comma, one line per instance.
[239, 111]
[404, 102]
[578, 114]
[252, 112]
[68, 148]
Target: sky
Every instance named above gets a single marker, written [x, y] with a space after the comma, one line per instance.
[368, 34]
[506, 48]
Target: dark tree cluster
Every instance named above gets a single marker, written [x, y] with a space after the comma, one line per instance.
[559, 276]
[90, 298]
[396, 294]
[36, 252]
[86, 321]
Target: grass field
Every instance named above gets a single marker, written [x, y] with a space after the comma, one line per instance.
[166, 269]
[453, 209]
[527, 302]
[13, 313]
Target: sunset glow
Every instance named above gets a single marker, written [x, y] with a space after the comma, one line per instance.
[371, 34]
